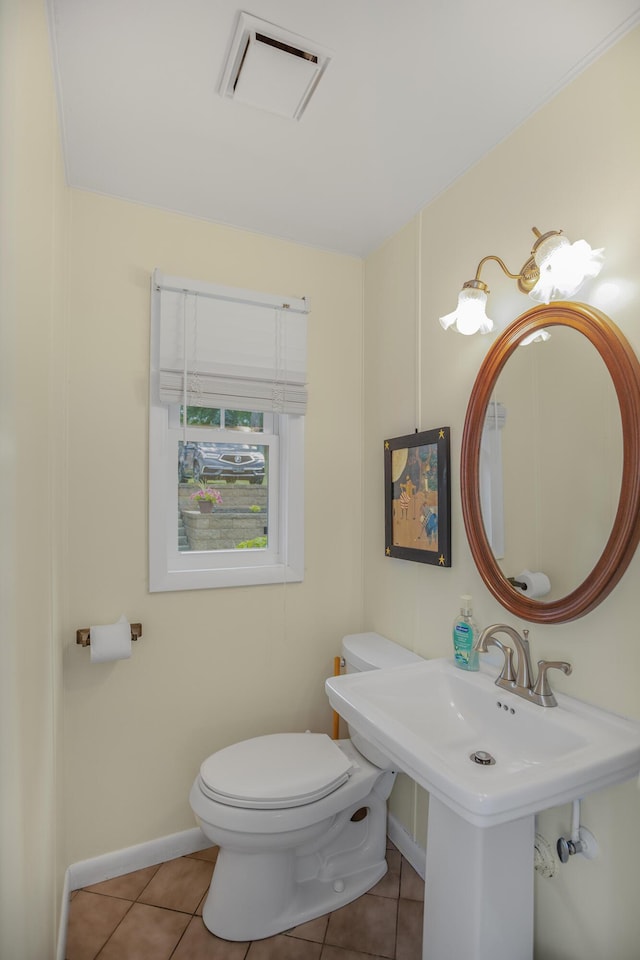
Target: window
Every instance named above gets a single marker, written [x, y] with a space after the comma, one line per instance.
[226, 428]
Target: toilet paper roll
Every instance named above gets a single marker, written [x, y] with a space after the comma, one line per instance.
[111, 641]
[536, 584]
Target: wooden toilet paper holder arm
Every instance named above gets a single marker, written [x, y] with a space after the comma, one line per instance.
[83, 635]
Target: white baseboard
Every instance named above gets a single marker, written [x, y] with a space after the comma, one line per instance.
[115, 864]
[64, 919]
[407, 846]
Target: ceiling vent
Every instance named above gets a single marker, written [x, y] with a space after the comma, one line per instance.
[272, 69]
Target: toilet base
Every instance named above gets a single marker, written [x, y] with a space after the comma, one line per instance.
[262, 918]
[254, 895]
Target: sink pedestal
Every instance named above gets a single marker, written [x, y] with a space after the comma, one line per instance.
[479, 888]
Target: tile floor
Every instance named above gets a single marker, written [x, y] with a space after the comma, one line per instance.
[156, 914]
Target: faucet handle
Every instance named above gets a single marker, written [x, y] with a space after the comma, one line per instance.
[542, 692]
[508, 675]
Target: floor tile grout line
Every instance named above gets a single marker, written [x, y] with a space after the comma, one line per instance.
[397, 931]
[180, 938]
[107, 896]
[192, 913]
[125, 914]
[143, 903]
[150, 879]
[155, 906]
[132, 903]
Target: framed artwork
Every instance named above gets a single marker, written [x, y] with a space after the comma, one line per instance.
[417, 490]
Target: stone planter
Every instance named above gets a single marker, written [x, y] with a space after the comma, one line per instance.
[205, 506]
[223, 529]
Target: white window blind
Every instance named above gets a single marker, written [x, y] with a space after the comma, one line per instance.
[226, 347]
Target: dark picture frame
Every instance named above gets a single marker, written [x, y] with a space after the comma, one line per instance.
[417, 491]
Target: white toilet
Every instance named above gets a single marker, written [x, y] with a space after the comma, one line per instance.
[300, 819]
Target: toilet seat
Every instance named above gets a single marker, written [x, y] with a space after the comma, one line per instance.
[277, 771]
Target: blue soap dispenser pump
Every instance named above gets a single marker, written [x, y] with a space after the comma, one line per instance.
[465, 633]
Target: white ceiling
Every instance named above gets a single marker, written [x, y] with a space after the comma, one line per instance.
[416, 92]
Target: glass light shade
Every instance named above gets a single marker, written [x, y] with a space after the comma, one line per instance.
[470, 315]
[564, 267]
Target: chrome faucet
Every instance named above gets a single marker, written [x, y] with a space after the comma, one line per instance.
[521, 682]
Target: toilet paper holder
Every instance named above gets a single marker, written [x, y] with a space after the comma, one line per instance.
[83, 635]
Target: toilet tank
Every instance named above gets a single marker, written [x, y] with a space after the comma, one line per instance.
[371, 651]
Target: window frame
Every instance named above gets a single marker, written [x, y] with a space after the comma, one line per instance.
[280, 562]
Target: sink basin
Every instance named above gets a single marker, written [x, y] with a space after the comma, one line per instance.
[430, 717]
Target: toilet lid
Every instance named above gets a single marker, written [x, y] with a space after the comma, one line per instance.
[275, 771]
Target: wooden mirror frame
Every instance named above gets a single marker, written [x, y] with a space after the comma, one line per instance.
[624, 369]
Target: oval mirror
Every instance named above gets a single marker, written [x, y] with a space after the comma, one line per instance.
[606, 530]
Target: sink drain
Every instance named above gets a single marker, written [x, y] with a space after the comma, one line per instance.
[482, 757]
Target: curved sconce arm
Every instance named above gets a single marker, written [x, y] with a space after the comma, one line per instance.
[555, 269]
[491, 256]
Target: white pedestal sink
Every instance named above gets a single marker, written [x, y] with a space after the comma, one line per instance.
[429, 718]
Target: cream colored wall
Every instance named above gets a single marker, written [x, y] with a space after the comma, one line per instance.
[32, 252]
[213, 666]
[574, 165]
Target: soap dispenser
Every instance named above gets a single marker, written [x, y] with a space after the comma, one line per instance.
[465, 634]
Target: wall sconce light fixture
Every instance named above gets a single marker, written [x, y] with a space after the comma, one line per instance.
[555, 270]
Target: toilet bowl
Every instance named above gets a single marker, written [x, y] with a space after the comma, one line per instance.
[300, 819]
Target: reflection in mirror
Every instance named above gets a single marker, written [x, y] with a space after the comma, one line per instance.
[571, 461]
[491, 474]
[561, 443]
